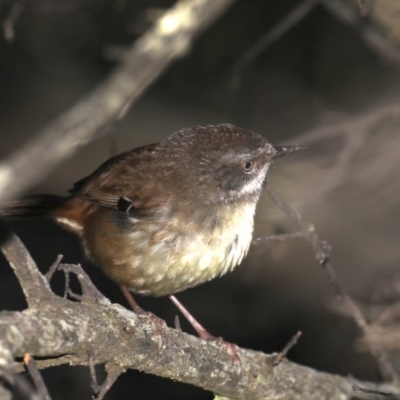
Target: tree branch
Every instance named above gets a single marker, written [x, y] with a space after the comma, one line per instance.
[322, 253]
[64, 331]
[34, 284]
[377, 40]
[273, 35]
[67, 328]
[150, 55]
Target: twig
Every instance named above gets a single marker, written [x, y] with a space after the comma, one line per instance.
[391, 396]
[273, 35]
[93, 378]
[36, 376]
[11, 20]
[355, 136]
[150, 55]
[49, 274]
[177, 323]
[33, 283]
[113, 372]
[292, 342]
[90, 294]
[364, 9]
[21, 385]
[372, 36]
[278, 238]
[322, 252]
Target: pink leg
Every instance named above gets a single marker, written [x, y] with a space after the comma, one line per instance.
[232, 349]
[158, 323]
[129, 298]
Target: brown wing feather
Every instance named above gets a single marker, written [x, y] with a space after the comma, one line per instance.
[120, 180]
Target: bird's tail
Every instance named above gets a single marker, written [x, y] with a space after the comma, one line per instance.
[41, 205]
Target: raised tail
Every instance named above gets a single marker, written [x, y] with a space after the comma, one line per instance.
[40, 205]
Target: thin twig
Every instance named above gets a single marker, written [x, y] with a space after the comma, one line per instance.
[10, 22]
[272, 36]
[49, 274]
[19, 384]
[377, 40]
[36, 376]
[322, 252]
[177, 323]
[282, 354]
[363, 8]
[33, 283]
[90, 294]
[113, 372]
[150, 55]
[93, 378]
[278, 238]
[391, 396]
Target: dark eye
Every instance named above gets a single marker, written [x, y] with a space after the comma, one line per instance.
[248, 166]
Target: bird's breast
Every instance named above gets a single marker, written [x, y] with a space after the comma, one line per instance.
[169, 256]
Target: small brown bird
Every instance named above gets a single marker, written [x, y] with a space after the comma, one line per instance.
[169, 216]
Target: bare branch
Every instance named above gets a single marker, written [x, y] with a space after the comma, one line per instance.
[113, 372]
[278, 238]
[292, 342]
[272, 36]
[150, 55]
[386, 395]
[373, 37]
[182, 357]
[63, 331]
[322, 254]
[53, 268]
[36, 376]
[345, 167]
[90, 294]
[18, 384]
[33, 283]
[11, 20]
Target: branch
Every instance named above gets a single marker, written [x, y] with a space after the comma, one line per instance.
[322, 252]
[279, 30]
[64, 327]
[345, 165]
[377, 40]
[150, 55]
[34, 284]
[30, 365]
[60, 331]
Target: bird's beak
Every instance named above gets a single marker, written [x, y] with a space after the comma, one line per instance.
[283, 151]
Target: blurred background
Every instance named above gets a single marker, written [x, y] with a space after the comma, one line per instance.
[331, 82]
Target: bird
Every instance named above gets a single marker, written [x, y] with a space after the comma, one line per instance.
[165, 217]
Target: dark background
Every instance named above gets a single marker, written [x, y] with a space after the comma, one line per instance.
[319, 74]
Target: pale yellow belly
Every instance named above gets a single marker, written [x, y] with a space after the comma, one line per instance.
[178, 261]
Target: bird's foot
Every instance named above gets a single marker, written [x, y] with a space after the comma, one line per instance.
[231, 348]
[158, 324]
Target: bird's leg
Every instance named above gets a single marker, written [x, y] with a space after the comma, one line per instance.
[131, 301]
[231, 348]
[158, 323]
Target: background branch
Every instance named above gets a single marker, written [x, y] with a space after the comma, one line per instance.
[272, 36]
[376, 39]
[322, 252]
[150, 55]
[34, 284]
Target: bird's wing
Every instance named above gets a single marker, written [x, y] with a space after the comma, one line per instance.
[122, 183]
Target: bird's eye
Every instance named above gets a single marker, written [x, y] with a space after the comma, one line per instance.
[248, 166]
